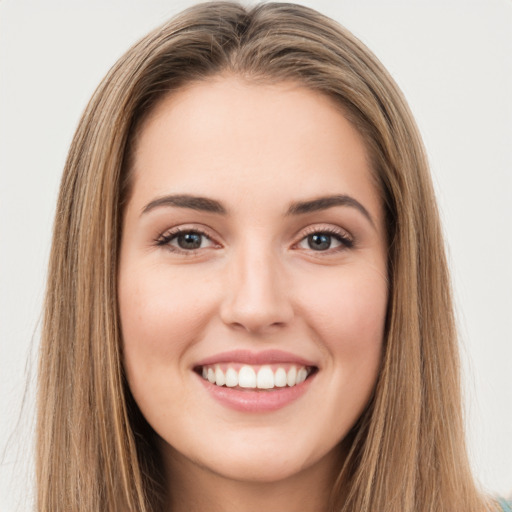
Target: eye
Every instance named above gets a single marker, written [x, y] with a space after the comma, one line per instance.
[322, 241]
[190, 240]
[186, 241]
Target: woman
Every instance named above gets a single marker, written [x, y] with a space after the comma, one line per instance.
[248, 304]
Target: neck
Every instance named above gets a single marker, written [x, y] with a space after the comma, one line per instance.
[195, 488]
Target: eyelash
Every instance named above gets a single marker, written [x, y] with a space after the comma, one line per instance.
[166, 239]
[341, 236]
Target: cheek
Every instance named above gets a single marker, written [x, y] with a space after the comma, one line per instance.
[162, 313]
[347, 313]
[345, 309]
[348, 310]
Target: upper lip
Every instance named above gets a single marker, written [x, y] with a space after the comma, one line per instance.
[255, 358]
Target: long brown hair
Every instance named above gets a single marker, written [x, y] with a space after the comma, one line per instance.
[94, 450]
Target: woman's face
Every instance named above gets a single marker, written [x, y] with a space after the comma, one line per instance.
[253, 257]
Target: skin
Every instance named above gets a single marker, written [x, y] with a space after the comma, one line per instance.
[255, 283]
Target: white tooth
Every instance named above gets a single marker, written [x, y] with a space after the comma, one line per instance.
[205, 372]
[246, 377]
[265, 378]
[301, 376]
[211, 375]
[291, 376]
[280, 378]
[220, 380]
[231, 378]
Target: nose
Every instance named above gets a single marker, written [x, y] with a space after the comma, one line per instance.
[256, 297]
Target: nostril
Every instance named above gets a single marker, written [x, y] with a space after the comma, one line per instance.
[259, 303]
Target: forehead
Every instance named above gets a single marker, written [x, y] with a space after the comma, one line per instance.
[279, 139]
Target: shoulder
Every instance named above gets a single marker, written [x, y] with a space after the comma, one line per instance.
[506, 506]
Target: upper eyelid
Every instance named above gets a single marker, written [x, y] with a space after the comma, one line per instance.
[345, 238]
[164, 240]
[170, 234]
[324, 228]
[186, 228]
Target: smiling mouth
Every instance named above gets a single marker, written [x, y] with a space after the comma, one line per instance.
[261, 377]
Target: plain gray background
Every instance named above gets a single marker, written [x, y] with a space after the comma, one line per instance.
[452, 59]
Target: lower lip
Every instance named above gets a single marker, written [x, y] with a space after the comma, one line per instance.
[257, 400]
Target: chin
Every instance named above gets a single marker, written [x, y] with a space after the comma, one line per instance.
[260, 461]
[261, 470]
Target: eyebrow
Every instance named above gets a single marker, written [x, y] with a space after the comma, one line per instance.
[296, 208]
[203, 204]
[324, 203]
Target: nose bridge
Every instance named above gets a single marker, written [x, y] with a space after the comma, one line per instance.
[256, 295]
